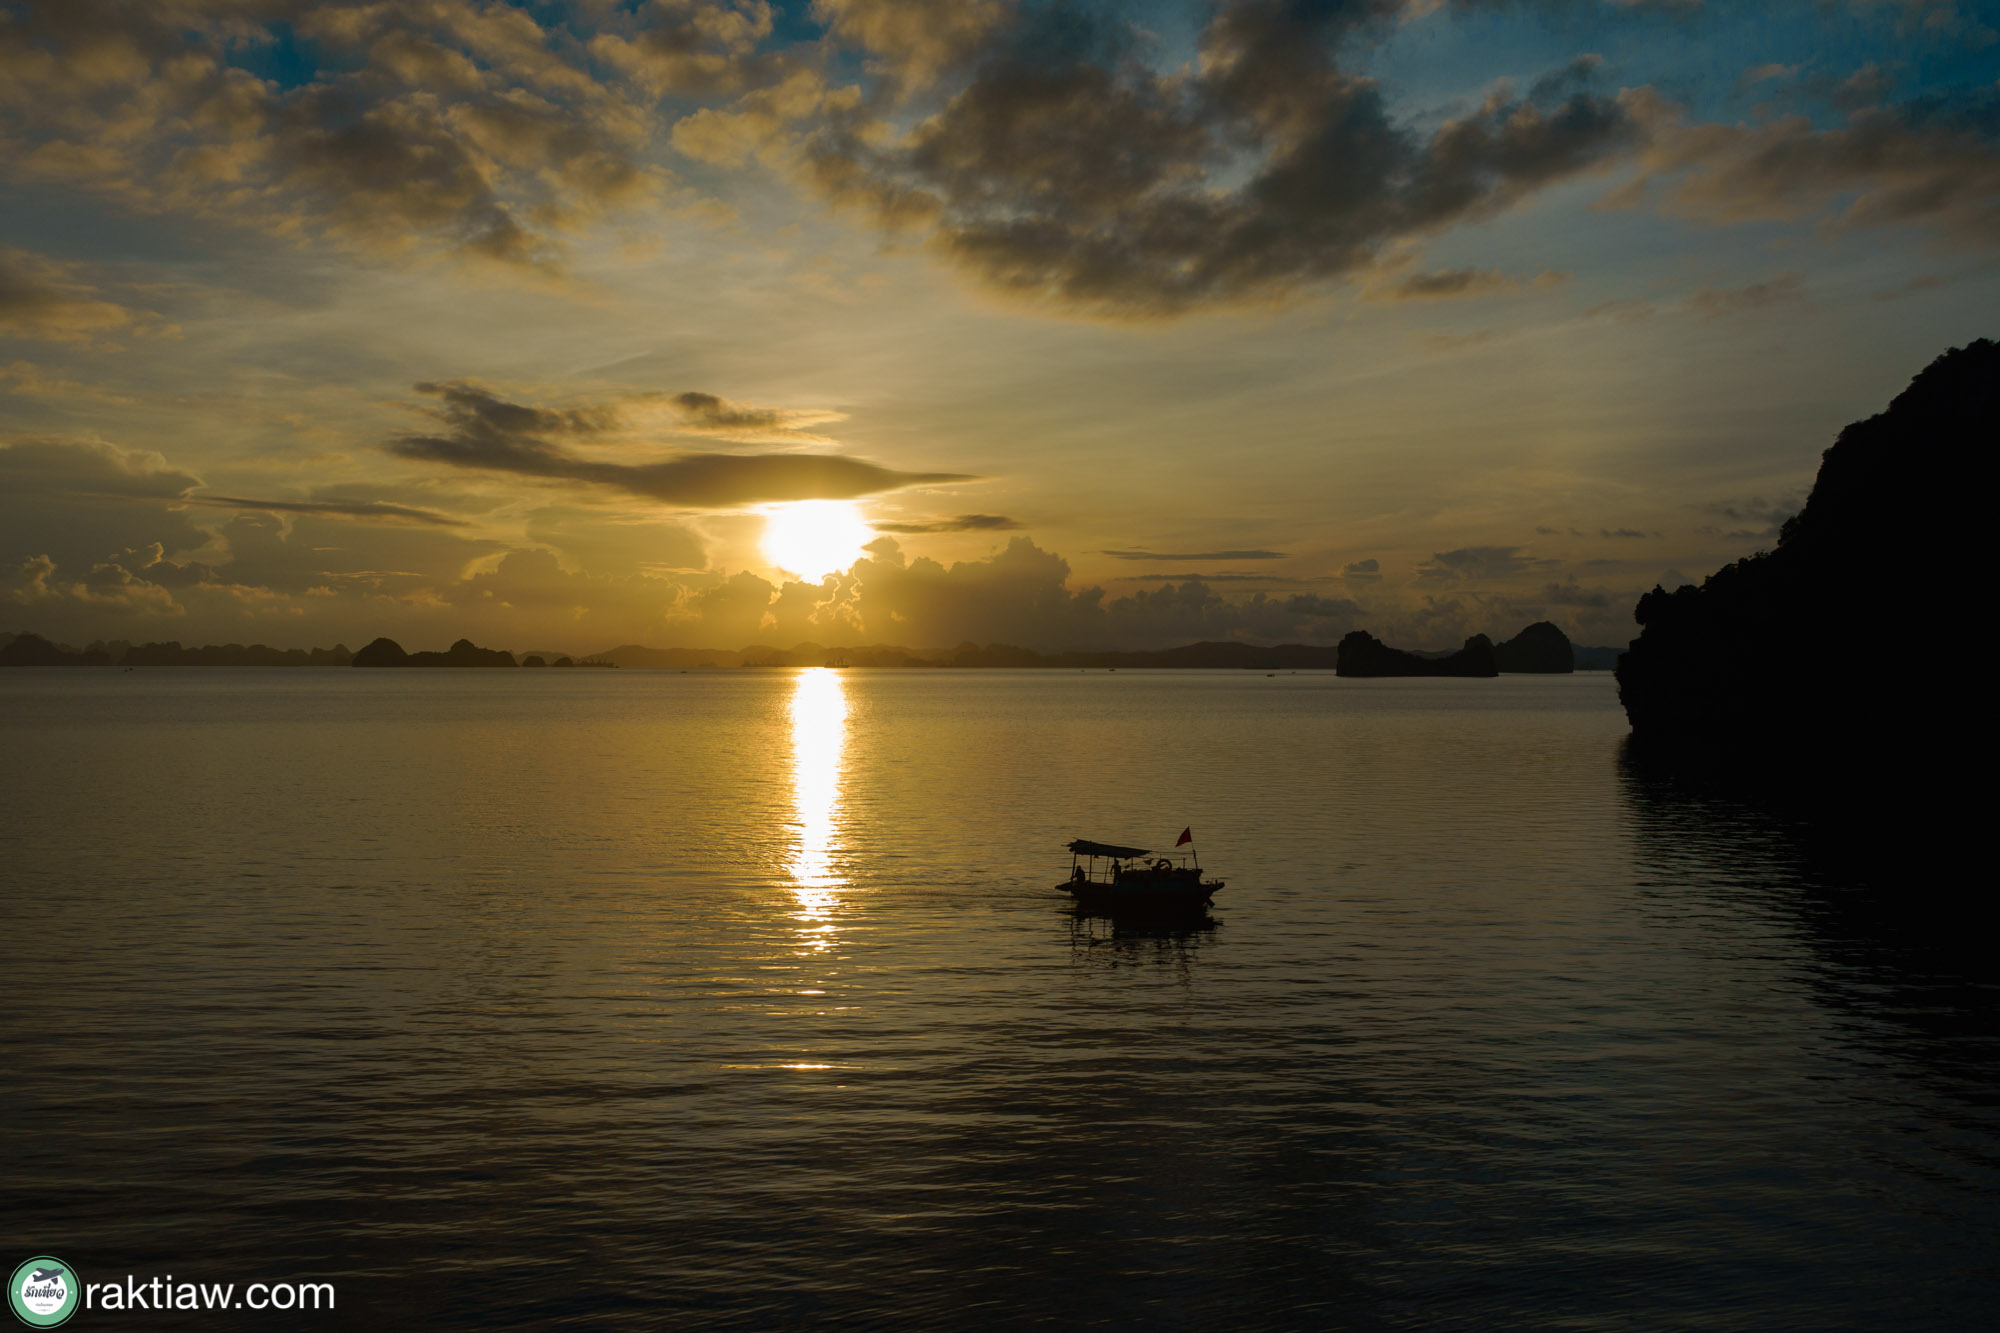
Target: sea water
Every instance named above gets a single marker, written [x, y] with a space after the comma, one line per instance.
[747, 999]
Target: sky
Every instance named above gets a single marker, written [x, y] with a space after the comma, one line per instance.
[708, 323]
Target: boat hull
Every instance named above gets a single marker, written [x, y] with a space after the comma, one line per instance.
[1143, 893]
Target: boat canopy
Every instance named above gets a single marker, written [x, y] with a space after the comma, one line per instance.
[1085, 847]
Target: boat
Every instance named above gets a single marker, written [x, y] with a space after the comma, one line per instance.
[1133, 883]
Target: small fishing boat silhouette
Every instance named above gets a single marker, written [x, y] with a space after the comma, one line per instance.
[1131, 883]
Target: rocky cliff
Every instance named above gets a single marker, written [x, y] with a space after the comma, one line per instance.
[1881, 555]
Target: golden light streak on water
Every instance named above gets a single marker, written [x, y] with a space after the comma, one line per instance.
[819, 737]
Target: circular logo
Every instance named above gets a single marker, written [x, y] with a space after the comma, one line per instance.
[44, 1292]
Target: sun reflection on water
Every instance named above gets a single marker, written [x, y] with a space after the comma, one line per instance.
[819, 735]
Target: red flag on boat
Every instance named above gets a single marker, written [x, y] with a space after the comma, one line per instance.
[1187, 836]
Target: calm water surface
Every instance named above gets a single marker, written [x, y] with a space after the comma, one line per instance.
[743, 999]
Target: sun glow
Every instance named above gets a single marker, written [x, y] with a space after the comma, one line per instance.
[819, 735]
[814, 538]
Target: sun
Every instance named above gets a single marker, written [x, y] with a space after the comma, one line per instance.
[814, 538]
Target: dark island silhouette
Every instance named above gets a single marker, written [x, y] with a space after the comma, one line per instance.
[1362, 654]
[34, 650]
[1743, 665]
[1541, 647]
[463, 653]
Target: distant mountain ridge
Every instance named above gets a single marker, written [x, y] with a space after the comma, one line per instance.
[23, 649]
[464, 653]
[1362, 654]
[34, 650]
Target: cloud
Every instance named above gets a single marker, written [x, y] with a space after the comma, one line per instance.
[108, 589]
[693, 48]
[76, 500]
[1865, 87]
[706, 414]
[962, 523]
[1765, 73]
[41, 298]
[46, 465]
[911, 42]
[1624, 532]
[1938, 19]
[1445, 285]
[1784, 289]
[1062, 170]
[1195, 555]
[532, 586]
[608, 543]
[1625, 311]
[1200, 577]
[1931, 162]
[1478, 564]
[1569, 594]
[1020, 595]
[1923, 282]
[485, 432]
[367, 509]
[1362, 571]
[29, 380]
[757, 123]
[445, 125]
[1762, 519]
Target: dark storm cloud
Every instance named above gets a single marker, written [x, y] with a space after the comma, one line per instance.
[489, 433]
[366, 509]
[1195, 555]
[1063, 169]
[962, 523]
